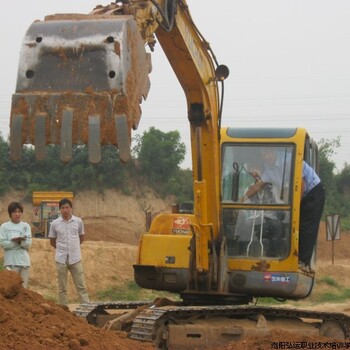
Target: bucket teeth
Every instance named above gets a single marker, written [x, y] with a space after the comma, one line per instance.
[94, 139]
[16, 137]
[81, 81]
[40, 136]
[66, 136]
[121, 126]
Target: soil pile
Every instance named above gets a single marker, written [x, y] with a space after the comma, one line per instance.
[28, 321]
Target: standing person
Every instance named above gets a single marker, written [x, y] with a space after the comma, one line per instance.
[311, 208]
[66, 235]
[15, 239]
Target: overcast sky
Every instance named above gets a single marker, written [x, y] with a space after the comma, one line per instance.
[289, 64]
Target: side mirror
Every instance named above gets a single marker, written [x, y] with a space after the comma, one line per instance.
[221, 72]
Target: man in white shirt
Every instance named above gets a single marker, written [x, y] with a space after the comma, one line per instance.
[276, 172]
[66, 235]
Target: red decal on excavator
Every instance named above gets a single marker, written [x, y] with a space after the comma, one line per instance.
[181, 226]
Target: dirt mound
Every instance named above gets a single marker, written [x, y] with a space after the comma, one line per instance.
[115, 217]
[28, 321]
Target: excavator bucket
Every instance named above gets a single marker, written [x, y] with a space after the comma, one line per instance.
[80, 80]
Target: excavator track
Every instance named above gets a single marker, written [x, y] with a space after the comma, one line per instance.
[182, 327]
[151, 324]
[92, 311]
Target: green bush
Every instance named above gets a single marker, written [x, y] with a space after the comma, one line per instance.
[345, 223]
[329, 281]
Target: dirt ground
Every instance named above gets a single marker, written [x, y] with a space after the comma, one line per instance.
[30, 319]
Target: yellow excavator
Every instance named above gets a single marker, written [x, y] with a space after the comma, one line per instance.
[81, 79]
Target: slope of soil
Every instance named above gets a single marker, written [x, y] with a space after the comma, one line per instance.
[110, 216]
[28, 321]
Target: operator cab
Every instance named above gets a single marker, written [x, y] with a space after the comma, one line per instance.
[262, 229]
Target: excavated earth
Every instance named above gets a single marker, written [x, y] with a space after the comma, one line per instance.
[30, 318]
[28, 321]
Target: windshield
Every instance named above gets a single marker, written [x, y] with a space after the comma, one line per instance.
[263, 228]
[244, 165]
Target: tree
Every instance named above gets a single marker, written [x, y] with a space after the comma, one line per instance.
[343, 181]
[327, 148]
[160, 154]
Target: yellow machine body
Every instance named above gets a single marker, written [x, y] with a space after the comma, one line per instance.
[252, 267]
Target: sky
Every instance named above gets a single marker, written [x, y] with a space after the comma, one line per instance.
[289, 64]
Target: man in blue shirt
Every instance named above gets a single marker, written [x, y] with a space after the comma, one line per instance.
[311, 208]
[276, 171]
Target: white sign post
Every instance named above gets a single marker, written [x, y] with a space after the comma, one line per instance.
[333, 230]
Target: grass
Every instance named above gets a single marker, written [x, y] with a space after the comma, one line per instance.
[1, 264]
[268, 301]
[50, 298]
[336, 294]
[130, 291]
[340, 296]
[329, 281]
[345, 224]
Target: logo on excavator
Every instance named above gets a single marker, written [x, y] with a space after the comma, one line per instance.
[274, 277]
[181, 226]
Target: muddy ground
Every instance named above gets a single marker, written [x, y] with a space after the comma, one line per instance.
[30, 319]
